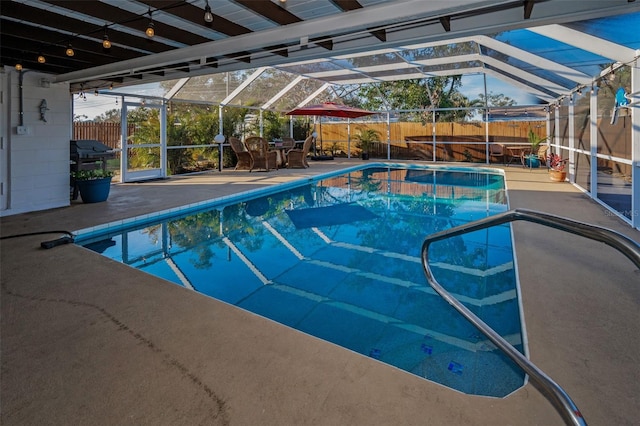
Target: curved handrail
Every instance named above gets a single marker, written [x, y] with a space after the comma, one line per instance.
[556, 395]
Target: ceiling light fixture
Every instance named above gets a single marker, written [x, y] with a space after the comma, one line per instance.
[69, 50]
[18, 66]
[106, 43]
[150, 31]
[208, 16]
[41, 59]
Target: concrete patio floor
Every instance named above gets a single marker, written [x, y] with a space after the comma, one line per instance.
[86, 340]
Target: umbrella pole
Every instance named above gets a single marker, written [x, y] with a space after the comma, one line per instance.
[348, 137]
[315, 142]
[321, 150]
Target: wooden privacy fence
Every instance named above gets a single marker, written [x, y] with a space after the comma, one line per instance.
[107, 133]
[462, 141]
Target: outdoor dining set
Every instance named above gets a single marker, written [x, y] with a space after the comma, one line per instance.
[257, 153]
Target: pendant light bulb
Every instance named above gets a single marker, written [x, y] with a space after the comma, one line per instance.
[106, 43]
[208, 16]
[150, 31]
[18, 66]
[41, 59]
[69, 50]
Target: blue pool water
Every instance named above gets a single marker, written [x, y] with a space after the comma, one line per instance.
[339, 258]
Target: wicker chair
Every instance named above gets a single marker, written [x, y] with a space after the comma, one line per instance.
[245, 159]
[297, 158]
[496, 151]
[288, 143]
[263, 158]
[542, 154]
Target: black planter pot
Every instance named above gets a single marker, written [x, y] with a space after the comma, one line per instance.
[365, 155]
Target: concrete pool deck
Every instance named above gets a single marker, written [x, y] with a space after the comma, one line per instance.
[86, 340]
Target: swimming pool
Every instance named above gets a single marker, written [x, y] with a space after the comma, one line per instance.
[338, 257]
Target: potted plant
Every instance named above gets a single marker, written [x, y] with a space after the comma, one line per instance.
[532, 159]
[94, 185]
[364, 141]
[557, 172]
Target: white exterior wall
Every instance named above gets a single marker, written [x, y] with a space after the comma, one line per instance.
[35, 165]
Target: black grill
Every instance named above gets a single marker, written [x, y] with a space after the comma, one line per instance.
[88, 154]
[90, 149]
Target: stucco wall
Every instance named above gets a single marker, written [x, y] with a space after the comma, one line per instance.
[37, 163]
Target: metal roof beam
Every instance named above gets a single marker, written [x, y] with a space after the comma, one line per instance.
[314, 95]
[282, 92]
[540, 94]
[243, 85]
[526, 76]
[587, 42]
[176, 87]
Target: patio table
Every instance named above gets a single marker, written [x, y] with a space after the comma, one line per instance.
[517, 151]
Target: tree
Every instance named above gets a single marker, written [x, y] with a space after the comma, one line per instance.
[80, 118]
[495, 100]
[111, 116]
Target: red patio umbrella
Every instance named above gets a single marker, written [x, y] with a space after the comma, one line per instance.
[330, 109]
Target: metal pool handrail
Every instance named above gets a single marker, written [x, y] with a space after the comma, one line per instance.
[550, 389]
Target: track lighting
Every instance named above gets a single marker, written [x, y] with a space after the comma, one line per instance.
[69, 50]
[208, 16]
[106, 43]
[150, 31]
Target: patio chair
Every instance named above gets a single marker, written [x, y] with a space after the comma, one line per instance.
[297, 158]
[542, 154]
[496, 150]
[288, 143]
[245, 159]
[263, 158]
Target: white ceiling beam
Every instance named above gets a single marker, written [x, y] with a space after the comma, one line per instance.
[331, 73]
[176, 87]
[535, 92]
[587, 42]
[400, 65]
[449, 60]
[282, 92]
[243, 85]
[526, 76]
[313, 95]
[538, 61]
